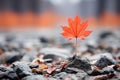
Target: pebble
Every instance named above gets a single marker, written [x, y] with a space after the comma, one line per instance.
[81, 74]
[10, 57]
[60, 75]
[33, 65]
[80, 64]
[22, 69]
[103, 62]
[50, 58]
[7, 73]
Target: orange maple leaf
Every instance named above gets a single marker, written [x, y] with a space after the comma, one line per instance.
[76, 29]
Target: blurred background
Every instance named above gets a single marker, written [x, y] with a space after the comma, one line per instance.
[37, 14]
[30, 28]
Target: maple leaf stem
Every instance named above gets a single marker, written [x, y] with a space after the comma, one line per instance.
[76, 46]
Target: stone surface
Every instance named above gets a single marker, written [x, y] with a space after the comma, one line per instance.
[7, 73]
[34, 77]
[103, 62]
[22, 69]
[80, 64]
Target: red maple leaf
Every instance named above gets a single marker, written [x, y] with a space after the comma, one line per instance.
[76, 29]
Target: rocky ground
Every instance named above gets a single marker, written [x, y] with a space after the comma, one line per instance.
[26, 57]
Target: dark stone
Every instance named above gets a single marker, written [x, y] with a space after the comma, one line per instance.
[106, 77]
[94, 73]
[51, 57]
[71, 58]
[10, 38]
[22, 69]
[61, 75]
[109, 49]
[81, 74]
[80, 64]
[7, 73]
[70, 70]
[105, 34]
[103, 62]
[13, 58]
[116, 67]
[33, 65]
[91, 49]
[43, 40]
[48, 60]
[101, 72]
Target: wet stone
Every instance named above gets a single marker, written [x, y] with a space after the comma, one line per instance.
[22, 69]
[103, 62]
[80, 64]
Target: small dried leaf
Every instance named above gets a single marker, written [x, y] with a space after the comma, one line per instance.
[43, 66]
[51, 69]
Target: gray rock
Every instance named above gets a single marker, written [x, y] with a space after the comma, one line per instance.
[104, 61]
[80, 64]
[34, 77]
[72, 76]
[61, 75]
[81, 74]
[33, 65]
[10, 57]
[50, 57]
[22, 69]
[104, 71]
[7, 73]
[52, 79]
